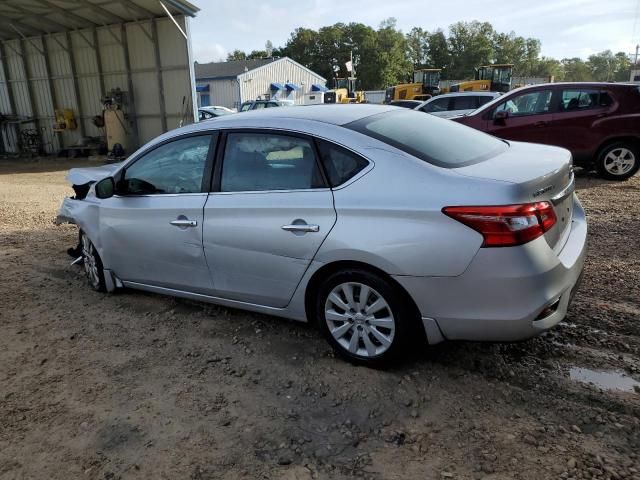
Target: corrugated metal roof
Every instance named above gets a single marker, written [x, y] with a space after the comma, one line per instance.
[37, 17]
[228, 69]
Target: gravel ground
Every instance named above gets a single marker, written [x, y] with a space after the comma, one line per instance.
[135, 385]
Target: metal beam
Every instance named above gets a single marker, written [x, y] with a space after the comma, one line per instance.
[173, 20]
[103, 12]
[13, 49]
[33, 44]
[55, 101]
[76, 88]
[146, 34]
[113, 35]
[87, 41]
[40, 17]
[60, 44]
[67, 13]
[156, 47]
[98, 61]
[5, 67]
[13, 24]
[27, 72]
[134, 7]
[127, 65]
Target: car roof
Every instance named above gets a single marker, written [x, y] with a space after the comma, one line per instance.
[331, 114]
[576, 85]
[467, 94]
[335, 114]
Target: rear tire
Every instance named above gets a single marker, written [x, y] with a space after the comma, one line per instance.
[92, 264]
[365, 318]
[618, 161]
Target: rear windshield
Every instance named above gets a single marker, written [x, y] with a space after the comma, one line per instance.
[440, 142]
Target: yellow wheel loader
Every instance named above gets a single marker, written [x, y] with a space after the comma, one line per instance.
[344, 91]
[426, 84]
[488, 78]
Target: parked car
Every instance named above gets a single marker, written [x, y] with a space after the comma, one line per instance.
[598, 122]
[383, 225]
[453, 104]
[258, 104]
[207, 113]
[406, 103]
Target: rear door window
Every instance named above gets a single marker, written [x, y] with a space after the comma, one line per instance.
[437, 105]
[583, 99]
[466, 102]
[265, 161]
[484, 99]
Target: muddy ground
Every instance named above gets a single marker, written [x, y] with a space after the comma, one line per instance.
[136, 385]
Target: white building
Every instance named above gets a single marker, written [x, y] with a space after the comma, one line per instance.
[230, 83]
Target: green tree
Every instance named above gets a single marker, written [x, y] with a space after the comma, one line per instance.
[606, 67]
[576, 70]
[438, 52]
[236, 55]
[470, 45]
[257, 54]
[418, 47]
[547, 67]
[391, 60]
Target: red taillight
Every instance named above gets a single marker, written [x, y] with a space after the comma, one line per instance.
[506, 225]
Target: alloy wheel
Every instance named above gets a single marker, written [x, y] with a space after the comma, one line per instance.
[360, 319]
[619, 161]
[90, 262]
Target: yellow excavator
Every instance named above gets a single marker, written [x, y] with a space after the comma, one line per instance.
[488, 78]
[426, 84]
[344, 91]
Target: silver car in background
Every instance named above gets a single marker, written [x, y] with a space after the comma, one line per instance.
[383, 225]
[452, 105]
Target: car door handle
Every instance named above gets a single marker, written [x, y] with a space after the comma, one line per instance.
[183, 223]
[303, 227]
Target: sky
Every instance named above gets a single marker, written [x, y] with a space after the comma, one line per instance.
[566, 28]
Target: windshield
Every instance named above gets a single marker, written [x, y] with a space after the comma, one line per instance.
[502, 76]
[440, 142]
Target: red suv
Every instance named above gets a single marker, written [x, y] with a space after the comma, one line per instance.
[598, 122]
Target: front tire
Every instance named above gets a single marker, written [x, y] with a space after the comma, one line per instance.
[364, 317]
[92, 264]
[618, 161]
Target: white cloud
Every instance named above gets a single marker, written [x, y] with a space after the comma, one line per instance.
[209, 52]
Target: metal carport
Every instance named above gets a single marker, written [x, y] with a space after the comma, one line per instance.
[67, 54]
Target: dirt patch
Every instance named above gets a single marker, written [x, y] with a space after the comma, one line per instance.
[134, 385]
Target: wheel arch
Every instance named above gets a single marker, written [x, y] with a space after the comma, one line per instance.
[635, 140]
[330, 268]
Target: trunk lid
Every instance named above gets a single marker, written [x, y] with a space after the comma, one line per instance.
[534, 173]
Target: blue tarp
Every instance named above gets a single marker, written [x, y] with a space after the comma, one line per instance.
[316, 87]
[202, 88]
[277, 86]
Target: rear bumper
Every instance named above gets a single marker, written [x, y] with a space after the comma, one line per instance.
[504, 291]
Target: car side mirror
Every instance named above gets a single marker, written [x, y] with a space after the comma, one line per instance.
[500, 117]
[105, 188]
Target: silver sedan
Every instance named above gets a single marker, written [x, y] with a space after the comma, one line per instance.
[382, 225]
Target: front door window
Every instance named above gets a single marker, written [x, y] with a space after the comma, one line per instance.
[532, 103]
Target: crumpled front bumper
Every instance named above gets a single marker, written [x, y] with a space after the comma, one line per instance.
[66, 212]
